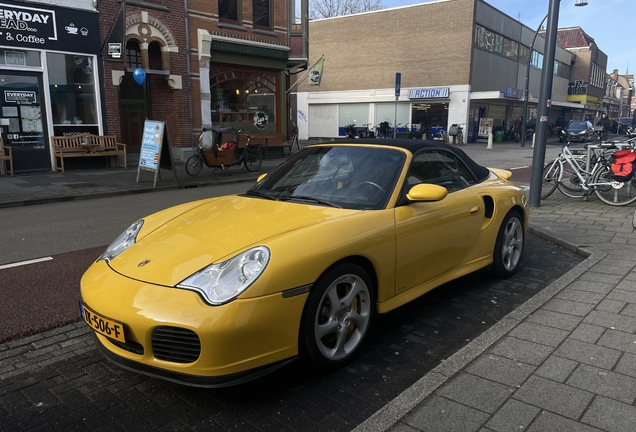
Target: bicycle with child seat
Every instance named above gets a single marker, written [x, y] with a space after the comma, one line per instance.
[571, 175]
[212, 151]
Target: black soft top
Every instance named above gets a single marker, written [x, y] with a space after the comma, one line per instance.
[413, 146]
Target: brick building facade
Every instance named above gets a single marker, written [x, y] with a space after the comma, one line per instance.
[156, 41]
[461, 62]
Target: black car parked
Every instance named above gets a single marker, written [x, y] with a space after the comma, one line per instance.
[579, 130]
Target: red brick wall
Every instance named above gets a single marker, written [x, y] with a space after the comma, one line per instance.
[170, 106]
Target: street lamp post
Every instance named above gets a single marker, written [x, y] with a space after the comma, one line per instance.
[545, 94]
[524, 126]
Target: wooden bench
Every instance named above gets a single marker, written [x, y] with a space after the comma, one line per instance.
[6, 155]
[87, 145]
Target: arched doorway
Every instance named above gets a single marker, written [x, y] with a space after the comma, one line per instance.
[134, 99]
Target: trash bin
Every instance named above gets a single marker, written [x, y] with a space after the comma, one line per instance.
[499, 136]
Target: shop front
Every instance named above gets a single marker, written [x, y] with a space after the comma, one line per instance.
[325, 114]
[47, 79]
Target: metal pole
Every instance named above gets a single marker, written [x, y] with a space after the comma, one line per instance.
[545, 94]
[525, 97]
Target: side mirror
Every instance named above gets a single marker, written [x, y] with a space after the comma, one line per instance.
[427, 192]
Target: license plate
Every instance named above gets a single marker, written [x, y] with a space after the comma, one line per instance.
[104, 326]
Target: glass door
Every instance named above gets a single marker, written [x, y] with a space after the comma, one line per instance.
[23, 120]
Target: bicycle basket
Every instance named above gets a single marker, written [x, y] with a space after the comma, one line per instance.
[454, 130]
[213, 138]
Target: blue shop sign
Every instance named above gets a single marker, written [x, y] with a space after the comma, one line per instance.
[430, 93]
[513, 93]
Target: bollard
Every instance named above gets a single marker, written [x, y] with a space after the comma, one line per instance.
[534, 135]
[489, 140]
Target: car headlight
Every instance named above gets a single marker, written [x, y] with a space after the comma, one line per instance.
[123, 242]
[223, 282]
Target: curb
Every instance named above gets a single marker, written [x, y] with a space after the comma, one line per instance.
[385, 418]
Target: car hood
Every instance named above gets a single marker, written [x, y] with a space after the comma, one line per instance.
[179, 245]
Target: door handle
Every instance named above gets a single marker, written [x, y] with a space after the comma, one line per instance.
[474, 210]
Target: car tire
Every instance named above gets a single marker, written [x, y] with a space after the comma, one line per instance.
[331, 334]
[509, 246]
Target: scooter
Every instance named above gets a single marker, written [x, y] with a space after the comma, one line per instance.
[350, 131]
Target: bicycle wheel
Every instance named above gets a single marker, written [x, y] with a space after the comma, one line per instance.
[570, 184]
[194, 165]
[253, 159]
[550, 181]
[445, 137]
[613, 192]
[634, 219]
[460, 138]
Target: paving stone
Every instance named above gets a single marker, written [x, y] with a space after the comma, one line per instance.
[440, 415]
[627, 365]
[550, 395]
[554, 319]
[591, 354]
[611, 415]
[629, 310]
[600, 287]
[476, 392]
[580, 296]
[568, 307]
[611, 320]
[627, 285]
[618, 340]
[613, 306]
[556, 368]
[623, 295]
[603, 382]
[520, 350]
[500, 369]
[587, 333]
[539, 334]
[550, 422]
[513, 416]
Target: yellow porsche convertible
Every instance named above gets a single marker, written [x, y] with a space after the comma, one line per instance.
[220, 291]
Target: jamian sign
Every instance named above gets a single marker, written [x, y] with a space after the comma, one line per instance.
[429, 93]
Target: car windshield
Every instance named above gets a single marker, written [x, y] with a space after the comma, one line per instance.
[353, 177]
[577, 125]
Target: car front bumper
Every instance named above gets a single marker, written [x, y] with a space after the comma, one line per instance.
[172, 334]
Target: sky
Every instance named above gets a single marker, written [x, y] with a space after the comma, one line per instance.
[610, 23]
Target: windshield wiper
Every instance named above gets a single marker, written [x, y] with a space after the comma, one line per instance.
[312, 199]
[258, 194]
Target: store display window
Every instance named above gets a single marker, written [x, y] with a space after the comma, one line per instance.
[244, 98]
[72, 89]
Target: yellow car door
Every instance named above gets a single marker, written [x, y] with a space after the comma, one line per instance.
[433, 238]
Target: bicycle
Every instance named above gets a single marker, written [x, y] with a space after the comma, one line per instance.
[456, 131]
[212, 152]
[570, 174]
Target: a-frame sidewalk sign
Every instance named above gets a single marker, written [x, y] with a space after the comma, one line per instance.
[156, 152]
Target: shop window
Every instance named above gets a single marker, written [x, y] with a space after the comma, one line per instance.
[239, 97]
[261, 13]
[72, 89]
[229, 10]
[133, 54]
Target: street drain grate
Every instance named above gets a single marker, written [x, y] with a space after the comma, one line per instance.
[81, 185]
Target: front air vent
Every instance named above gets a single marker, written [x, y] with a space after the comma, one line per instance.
[175, 344]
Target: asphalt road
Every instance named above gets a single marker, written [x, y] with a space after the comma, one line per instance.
[85, 392]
